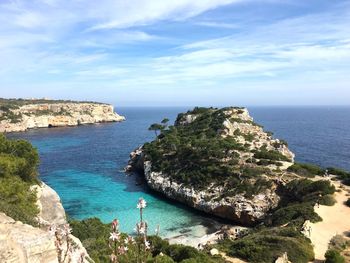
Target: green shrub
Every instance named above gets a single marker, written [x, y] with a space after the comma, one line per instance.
[17, 200]
[18, 171]
[306, 190]
[161, 259]
[328, 200]
[249, 137]
[271, 155]
[339, 172]
[305, 169]
[298, 200]
[296, 214]
[95, 235]
[338, 242]
[333, 256]
[268, 244]
[21, 156]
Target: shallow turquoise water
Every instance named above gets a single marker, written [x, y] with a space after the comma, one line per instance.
[85, 164]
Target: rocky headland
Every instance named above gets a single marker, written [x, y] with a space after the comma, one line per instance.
[20, 115]
[250, 166]
[221, 162]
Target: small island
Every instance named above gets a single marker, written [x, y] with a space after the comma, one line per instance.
[23, 114]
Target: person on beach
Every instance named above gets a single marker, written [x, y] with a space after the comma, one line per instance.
[318, 201]
[309, 231]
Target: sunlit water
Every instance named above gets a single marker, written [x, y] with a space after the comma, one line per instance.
[85, 164]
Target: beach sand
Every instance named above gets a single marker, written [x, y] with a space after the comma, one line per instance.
[336, 220]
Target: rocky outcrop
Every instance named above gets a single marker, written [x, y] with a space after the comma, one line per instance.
[240, 125]
[53, 114]
[240, 208]
[283, 259]
[50, 206]
[22, 243]
[237, 208]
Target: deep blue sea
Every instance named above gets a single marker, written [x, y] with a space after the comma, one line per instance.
[85, 164]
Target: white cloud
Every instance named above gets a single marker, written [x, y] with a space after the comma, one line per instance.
[29, 20]
[124, 14]
[106, 44]
[218, 24]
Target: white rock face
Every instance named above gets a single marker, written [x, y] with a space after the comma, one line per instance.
[60, 114]
[22, 243]
[246, 127]
[50, 206]
[238, 208]
[283, 259]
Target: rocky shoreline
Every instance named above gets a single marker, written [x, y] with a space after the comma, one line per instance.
[238, 208]
[60, 114]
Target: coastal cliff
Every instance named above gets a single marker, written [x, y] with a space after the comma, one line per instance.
[33, 224]
[23, 243]
[20, 115]
[219, 162]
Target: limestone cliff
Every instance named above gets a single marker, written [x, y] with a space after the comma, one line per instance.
[22, 243]
[259, 174]
[15, 116]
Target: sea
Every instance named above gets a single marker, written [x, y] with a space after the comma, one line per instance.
[85, 164]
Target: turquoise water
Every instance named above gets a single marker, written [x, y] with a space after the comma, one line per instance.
[85, 164]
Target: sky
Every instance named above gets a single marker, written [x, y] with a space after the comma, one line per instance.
[177, 53]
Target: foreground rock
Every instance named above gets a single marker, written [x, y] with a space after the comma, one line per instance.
[261, 175]
[22, 243]
[16, 116]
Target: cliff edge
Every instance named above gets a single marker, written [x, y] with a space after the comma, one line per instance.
[20, 115]
[23, 243]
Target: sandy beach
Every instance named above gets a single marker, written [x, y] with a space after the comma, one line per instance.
[335, 221]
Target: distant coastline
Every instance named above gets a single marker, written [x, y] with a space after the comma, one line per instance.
[22, 114]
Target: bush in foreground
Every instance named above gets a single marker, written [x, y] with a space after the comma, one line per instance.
[18, 172]
[333, 256]
[328, 200]
[102, 244]
[269, 244]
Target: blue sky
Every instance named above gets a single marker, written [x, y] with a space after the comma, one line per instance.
[183, 52]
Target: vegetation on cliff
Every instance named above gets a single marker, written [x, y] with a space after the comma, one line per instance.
[201, 151]
[18, 171]
[298, 201]
[267, 244]
[197, 154]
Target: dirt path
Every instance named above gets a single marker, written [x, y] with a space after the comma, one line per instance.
[335, 221]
